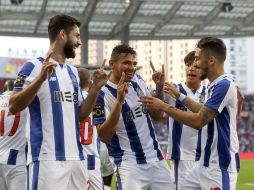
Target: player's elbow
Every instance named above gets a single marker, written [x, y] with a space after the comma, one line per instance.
[197, 124]
[104, 136]
[13, 108]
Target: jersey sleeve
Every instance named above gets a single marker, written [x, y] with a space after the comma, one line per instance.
[219, 96]
[25, 76]
[100, 110]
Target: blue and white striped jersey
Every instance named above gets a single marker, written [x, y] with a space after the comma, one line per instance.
[12, 133]
[54, 113]
[135, 138]
[90, 141]
[220, 143]
[184, 142]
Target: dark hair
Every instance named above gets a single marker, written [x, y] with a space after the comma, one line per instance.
[122, 48]
[213, 46]
[8, 85]
[189, 58]
[59, 22]
[84, 76]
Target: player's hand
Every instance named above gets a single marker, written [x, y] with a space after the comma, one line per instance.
[122, 89]
[151, 103]
[100, 77]
[170, 89]
[158, 76]
[47, 68]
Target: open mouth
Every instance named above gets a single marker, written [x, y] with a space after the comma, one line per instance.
[191, 75]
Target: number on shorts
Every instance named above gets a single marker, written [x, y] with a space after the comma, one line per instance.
[14, 126]
[86, 131]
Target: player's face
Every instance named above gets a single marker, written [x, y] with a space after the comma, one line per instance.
[202, 63]
[72, 43]
[192, 72]
[126, 63]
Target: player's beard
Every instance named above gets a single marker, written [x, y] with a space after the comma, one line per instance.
[204, 73]
[69, 49]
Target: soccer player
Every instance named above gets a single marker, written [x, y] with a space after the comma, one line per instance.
[126, 126]
[50, 88]
[13, 170]
[89, 137]
[219, 162]
[184, 143]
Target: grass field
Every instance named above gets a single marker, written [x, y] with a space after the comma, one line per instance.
[245, 178]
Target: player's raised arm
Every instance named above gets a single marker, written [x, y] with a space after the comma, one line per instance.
[99, 80]
[24, 96]
[108, 128]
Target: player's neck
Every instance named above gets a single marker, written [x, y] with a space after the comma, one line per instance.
[114, 79]
[58, 53]
[192, 85]
[214, 74]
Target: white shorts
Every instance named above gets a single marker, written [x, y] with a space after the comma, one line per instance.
[154, 175]
[203, 178]
[13, 177]
[64, 175]
[181, 169]
[107, 166]
[95, 179]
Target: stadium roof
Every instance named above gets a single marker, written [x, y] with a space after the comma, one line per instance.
[143, 19]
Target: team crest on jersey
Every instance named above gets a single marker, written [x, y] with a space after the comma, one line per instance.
[98, 111]
[19, 82]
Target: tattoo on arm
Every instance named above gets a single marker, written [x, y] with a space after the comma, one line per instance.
[207, 114]
[192, 105]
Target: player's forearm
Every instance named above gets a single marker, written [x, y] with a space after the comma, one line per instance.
[107, 130]
[192, 105]
[159, 92]
[20, 100]
[188, 118]
[88, 104]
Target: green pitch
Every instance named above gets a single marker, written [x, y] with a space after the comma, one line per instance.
[245, 177]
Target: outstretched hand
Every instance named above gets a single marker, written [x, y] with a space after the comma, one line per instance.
[151, 103]
[170, 89]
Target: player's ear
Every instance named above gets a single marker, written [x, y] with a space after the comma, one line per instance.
[111, 64]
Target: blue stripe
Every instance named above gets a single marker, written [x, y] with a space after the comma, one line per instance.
[12, 157]
[36, 134]
[223, 147]
[114, 150]
[198, 148]
[225, 180]
[131, 130]
[155, 142]
[176, 167]
[237, 160]
[177, 129]
[57, 114]
[210, 134]
[151, 129]
[91, 162]
[76, 108]
[219, 92]
[36, 167]
[118, 180]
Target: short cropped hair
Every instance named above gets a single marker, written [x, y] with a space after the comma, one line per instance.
[59, 22]
[189, 58]
[84, 76]
[213, 46]
[123, 48]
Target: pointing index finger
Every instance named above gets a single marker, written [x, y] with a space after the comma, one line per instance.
[152, 66]
[48, 57]
[103, 64]
[162, 69]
